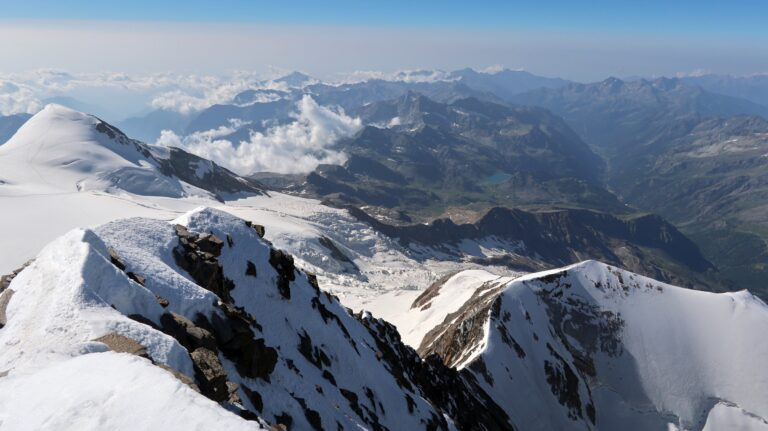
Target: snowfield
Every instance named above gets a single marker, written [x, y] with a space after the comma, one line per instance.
[109, 391]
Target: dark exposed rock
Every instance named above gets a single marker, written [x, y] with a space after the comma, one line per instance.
[251, 269]
[312, 416]
[141, 319]
[257, 227]
[425, 297]
[283, 264]
[235, 338]
[328, 376]
[122, 344]
[116, 260]
[186, 332]
[197, 255]
[210, 243]
[327, 315]
[137, 278]
[353, 401]
[162, 301]
[312, 353]
[230, 332]
[283, 422]
[203, 347]
[564, 384]
[457, 394]
[451, 341]
[210, 374]
[255, 398]
[5, 280]
[216, 180]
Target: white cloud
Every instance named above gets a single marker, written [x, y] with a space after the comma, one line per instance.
[416, 75]
[197, 95]
[17, 98]
[297, 147]
[185, 93]
[693, 73]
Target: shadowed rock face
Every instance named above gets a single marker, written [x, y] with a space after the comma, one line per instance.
[644, 244]
[187, 167]
[216, 179]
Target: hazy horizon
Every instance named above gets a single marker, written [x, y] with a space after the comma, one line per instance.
[582, 42]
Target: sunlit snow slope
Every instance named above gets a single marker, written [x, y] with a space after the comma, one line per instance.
[64, 151]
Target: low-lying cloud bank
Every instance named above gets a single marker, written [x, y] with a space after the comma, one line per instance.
[184, 93]
[297, 147]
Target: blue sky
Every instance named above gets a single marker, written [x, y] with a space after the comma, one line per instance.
[577, 40]
[705, 17]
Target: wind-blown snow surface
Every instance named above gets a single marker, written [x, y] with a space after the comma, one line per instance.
[600, 348]
[109, 391]
[61, 150]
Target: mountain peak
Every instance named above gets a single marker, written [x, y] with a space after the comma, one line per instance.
[61, 150]
[53, 114]
[295, 79]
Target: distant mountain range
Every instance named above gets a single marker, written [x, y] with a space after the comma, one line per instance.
[427, 157]
[10, 124]
[618, 116]
[753, 87]
[167, 313]
[693, 156]
[449, 144]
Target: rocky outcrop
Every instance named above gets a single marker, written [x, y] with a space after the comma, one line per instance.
[455, 393]
[197, 255]
[122, 344]
[6, 293]
[214, 178]
[5, 280]
[187, 167]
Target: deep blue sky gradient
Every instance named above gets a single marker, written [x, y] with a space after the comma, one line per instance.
[581, 40]
[691, 17]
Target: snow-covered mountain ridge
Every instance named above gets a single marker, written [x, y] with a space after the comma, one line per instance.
[64, 151]
[596, 347]
[211, 302]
